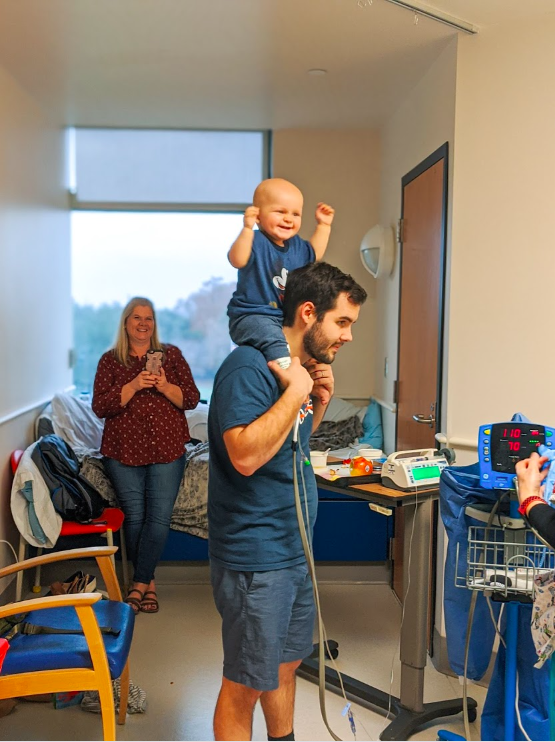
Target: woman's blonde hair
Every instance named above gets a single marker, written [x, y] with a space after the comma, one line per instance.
[121, 346]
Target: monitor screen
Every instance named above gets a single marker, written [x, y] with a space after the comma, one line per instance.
[426, 472]
[511, 442]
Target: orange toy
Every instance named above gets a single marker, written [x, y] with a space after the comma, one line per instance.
[360, 466]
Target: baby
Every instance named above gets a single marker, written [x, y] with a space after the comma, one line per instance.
[264, 258]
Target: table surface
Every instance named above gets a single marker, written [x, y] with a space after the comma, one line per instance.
[376, 492]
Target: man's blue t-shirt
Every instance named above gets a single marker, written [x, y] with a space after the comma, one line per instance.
[261, 283]
[252, 521]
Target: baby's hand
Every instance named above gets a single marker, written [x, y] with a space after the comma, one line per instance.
[251, 216]
[324, 214]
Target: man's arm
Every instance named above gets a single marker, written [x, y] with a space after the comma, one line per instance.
[321, 236]
[240, 252]
[251, 446]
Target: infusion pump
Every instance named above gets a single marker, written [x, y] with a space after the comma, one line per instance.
[409, 470]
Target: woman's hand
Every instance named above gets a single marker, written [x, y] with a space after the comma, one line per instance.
[144, 380]
[161, 381]
[170, 391]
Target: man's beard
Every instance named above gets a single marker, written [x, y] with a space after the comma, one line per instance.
[317, 345]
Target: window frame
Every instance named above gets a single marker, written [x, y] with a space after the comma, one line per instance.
[75, 204]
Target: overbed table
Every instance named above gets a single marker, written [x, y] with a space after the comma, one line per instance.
[409, 711]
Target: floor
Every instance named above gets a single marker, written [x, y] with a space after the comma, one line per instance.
[176, 658]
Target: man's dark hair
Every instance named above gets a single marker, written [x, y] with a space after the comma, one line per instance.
[320, 283]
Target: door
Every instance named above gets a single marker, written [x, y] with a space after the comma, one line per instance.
[422, 277]
[421, 305]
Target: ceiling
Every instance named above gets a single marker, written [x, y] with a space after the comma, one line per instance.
[229, 63]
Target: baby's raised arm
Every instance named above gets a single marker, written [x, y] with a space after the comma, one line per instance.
[240, 252]
[321, 236]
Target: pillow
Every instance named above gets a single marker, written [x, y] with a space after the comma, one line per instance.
[197, 420]
[339, 409]
[372, 426]
[75, 422]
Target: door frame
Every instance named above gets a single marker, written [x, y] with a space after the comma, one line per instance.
[440, 153]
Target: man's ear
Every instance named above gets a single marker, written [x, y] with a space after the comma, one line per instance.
[307, 312]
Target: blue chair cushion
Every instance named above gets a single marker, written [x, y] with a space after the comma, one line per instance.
[36, 652]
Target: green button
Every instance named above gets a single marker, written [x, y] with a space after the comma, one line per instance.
[549, 433]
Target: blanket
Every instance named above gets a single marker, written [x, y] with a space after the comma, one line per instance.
[336, 434]
[190, 509]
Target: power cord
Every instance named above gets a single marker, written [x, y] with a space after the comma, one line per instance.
[347, 711]
[3, 541]
[322, 638]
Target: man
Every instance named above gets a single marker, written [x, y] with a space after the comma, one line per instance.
[260, 578]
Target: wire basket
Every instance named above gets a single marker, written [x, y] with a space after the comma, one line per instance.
[504, 560]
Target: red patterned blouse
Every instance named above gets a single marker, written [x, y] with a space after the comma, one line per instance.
[149, 429]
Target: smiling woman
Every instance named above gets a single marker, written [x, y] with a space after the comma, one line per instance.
[144, 437]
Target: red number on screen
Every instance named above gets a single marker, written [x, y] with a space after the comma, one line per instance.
[514, 445]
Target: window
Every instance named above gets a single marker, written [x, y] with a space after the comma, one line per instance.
[155, 213]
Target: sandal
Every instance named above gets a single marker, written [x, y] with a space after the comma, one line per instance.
[149, 605]
[135, 603]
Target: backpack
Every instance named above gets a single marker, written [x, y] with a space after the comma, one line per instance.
[73, 496]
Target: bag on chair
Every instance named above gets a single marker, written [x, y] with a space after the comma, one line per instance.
[73, 496]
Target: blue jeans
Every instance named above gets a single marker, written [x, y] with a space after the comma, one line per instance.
[262, 332]
[146, 495]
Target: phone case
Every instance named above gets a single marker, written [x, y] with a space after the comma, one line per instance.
[154, 361]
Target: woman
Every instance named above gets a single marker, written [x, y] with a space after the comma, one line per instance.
[144, 438]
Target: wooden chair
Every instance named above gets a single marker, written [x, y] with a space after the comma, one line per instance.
[109, 522]
[4, 646]
[58, 662]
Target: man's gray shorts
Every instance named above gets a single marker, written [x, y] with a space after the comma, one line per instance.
[267, 619]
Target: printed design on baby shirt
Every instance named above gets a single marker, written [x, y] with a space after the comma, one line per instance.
[306, 409]
[279, 282]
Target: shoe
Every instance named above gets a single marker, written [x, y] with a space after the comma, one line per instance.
[135, 603]
[79, 582]
[150, 605]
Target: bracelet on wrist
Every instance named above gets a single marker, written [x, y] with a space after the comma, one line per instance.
[523, 507]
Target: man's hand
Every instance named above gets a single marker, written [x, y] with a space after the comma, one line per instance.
[250, 217]
[324, 383]
[530, 476]
[295, 378]
[324, 214]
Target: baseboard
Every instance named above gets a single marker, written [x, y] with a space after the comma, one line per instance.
[198, 573]
[364, 573]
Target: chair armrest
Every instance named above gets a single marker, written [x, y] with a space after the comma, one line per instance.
[49, 601]
[102, 555]
[91, 552]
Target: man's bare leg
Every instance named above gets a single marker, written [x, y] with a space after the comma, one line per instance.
[279, 705]
[234, 711]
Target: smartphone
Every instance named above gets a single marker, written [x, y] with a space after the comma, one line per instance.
[154, 360]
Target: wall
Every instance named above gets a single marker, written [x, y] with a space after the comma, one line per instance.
[503, 262]
[341, 168]
[422, 123]
[35, 293]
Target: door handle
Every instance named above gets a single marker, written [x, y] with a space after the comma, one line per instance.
[425, 420]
